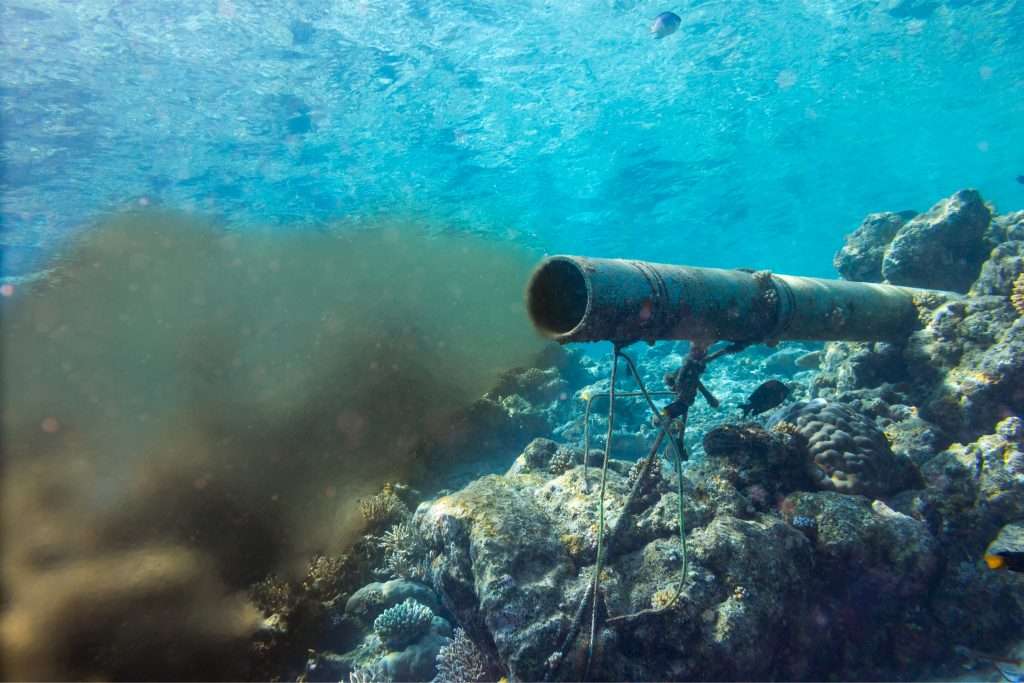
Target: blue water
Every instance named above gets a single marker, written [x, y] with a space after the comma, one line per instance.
[757, 135]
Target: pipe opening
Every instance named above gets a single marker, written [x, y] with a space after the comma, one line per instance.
[556, 297]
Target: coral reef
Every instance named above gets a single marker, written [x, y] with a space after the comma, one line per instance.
[840, 536]
[961, 373]
[517, 558]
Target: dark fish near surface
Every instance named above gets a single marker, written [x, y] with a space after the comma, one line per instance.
[1020, 179]
[665, 24]
[765, 397]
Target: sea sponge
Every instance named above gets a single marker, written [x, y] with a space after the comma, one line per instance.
[847, 452]
[1017, 294]
[403, 624]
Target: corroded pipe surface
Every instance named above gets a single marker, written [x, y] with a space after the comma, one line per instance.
[579, 299]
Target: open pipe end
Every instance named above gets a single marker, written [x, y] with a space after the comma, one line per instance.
[558, 297]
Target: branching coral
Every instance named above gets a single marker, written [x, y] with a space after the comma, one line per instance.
[405, 553]
[372, 674]
[384, 509]
[403, 624]
[324, 576]
[273, 594]
[461, 661]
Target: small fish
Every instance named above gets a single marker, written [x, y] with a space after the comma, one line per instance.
[665, 24]
[1005, 560]
[765, 397]
[1007, 550]
[1020, 179]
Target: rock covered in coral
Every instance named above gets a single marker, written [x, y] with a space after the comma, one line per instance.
[943, 248]
[846, 452]
[969, 365]
[962, 371]
[515, 566]
[979, 486]
[774, 462]
[854, 365]
[546, 455]
[874, 566]
[912, 437]
[861, 257]
[855, 536]
[1007, 227]
[999, 273]
[514, 556]
[300, 615]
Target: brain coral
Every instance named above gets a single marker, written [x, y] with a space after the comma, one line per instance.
[848, 454]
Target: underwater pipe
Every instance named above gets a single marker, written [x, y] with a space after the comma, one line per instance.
[580, 299]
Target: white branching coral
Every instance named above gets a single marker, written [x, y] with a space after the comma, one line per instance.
[461, 661]
[405, 553]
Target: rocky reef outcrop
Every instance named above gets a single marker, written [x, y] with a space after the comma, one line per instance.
[841, 536]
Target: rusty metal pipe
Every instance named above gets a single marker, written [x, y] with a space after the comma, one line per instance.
[579, 299]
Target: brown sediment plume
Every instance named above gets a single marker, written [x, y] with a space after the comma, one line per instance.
[186, 409]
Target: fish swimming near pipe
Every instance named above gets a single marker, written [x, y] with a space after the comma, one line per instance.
[767, 396]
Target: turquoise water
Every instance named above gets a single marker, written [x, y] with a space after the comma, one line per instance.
[756, 135]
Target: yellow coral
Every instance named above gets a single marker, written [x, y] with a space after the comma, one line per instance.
[1017, 294]
[664, 598]
[784, 427]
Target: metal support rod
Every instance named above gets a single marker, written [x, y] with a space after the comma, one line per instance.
[586, 421]
[578, 299]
